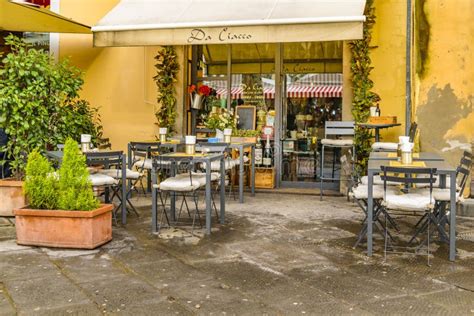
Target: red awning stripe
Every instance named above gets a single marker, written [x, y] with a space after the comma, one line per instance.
[326, 91]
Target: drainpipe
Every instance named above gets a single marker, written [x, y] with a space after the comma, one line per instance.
[408, 69]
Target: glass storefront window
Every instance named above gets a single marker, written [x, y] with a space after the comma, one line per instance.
[312, 95]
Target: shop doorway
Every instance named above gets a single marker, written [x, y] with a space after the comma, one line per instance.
[295, 88]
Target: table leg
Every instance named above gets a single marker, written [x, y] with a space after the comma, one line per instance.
[222, 191]
[370, 213]
[252, 183]
[377, 135]
[208, 197]
[154, 227]
[124, 190]
[241, 175]
[452, 223]
[173, 194]
[154, 202]
[129, 162]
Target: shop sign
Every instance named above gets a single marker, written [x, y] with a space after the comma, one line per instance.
[223, 35]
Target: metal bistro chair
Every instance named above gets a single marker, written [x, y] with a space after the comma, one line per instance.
[360, 195]
[180, 184]
[392, 147]
[107, 160]
[140, 157]
[333, 130]
[442, 196]
[230, 163]
[413, 201]
[220, 148]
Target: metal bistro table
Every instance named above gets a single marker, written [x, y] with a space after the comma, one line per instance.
[58, 156]
[377, 128]
[177, 157]
[443, 169]
[241, 147]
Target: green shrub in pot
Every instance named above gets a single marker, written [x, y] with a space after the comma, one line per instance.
[67, 189]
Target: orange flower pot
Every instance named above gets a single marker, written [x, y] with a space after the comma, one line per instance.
[11, 196]
[64, 229]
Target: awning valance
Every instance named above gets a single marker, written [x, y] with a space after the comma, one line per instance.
[322, 91]
[186, 22]
[20, 17]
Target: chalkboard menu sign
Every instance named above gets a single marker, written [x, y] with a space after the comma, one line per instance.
[247, 117]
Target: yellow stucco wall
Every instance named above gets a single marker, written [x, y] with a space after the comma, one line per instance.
[388, 59]
[444, 93]
[117, 80]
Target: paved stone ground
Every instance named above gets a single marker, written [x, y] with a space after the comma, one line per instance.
[277, 255]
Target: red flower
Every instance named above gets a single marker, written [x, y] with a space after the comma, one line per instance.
[204, 90]
[191, 88]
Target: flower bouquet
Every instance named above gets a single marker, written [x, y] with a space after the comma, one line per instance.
[198, 95]
[220, 120]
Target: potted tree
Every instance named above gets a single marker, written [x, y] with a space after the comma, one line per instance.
[63, 211]
[39, 108]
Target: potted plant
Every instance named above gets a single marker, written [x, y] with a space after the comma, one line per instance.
[245, 135]
[39, 108]
[63, 211]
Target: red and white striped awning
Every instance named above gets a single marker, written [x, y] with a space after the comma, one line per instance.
[293, 91]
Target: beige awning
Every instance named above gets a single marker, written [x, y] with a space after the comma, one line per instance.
[186, 22]
[20, 17]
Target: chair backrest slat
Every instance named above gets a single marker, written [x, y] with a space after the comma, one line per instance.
[107, 159]
[339, 128]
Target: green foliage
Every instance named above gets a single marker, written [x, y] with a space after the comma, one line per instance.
[363, 97]
[167, 68]
[41, 183]
[75, 188]
[39, 103]
[220, 120]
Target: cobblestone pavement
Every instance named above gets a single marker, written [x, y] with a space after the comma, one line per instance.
[276, 255]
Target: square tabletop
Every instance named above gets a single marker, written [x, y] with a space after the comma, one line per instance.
[442, 167]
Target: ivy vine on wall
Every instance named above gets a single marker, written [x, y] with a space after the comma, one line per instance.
[363, 96]
[167, 68]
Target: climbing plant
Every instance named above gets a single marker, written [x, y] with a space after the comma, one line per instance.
[363, 96]
[167, 68]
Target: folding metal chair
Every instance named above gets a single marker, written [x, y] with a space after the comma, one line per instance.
[442, 196]
[112, 163]
[216, 166]
[360, 195]
[182, 184]
[415, 201]
[140, 157]
[392, 147]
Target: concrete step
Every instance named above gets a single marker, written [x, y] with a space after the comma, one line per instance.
[466, 208]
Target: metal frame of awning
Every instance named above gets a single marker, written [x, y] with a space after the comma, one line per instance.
[21, 17]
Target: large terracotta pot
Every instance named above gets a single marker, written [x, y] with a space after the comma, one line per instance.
[11, 196]
[64, 229]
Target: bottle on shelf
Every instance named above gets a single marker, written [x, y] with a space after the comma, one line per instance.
[267, 154]
[258, 152]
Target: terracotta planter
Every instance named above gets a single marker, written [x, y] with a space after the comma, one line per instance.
[64, 229]
[11, 196]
